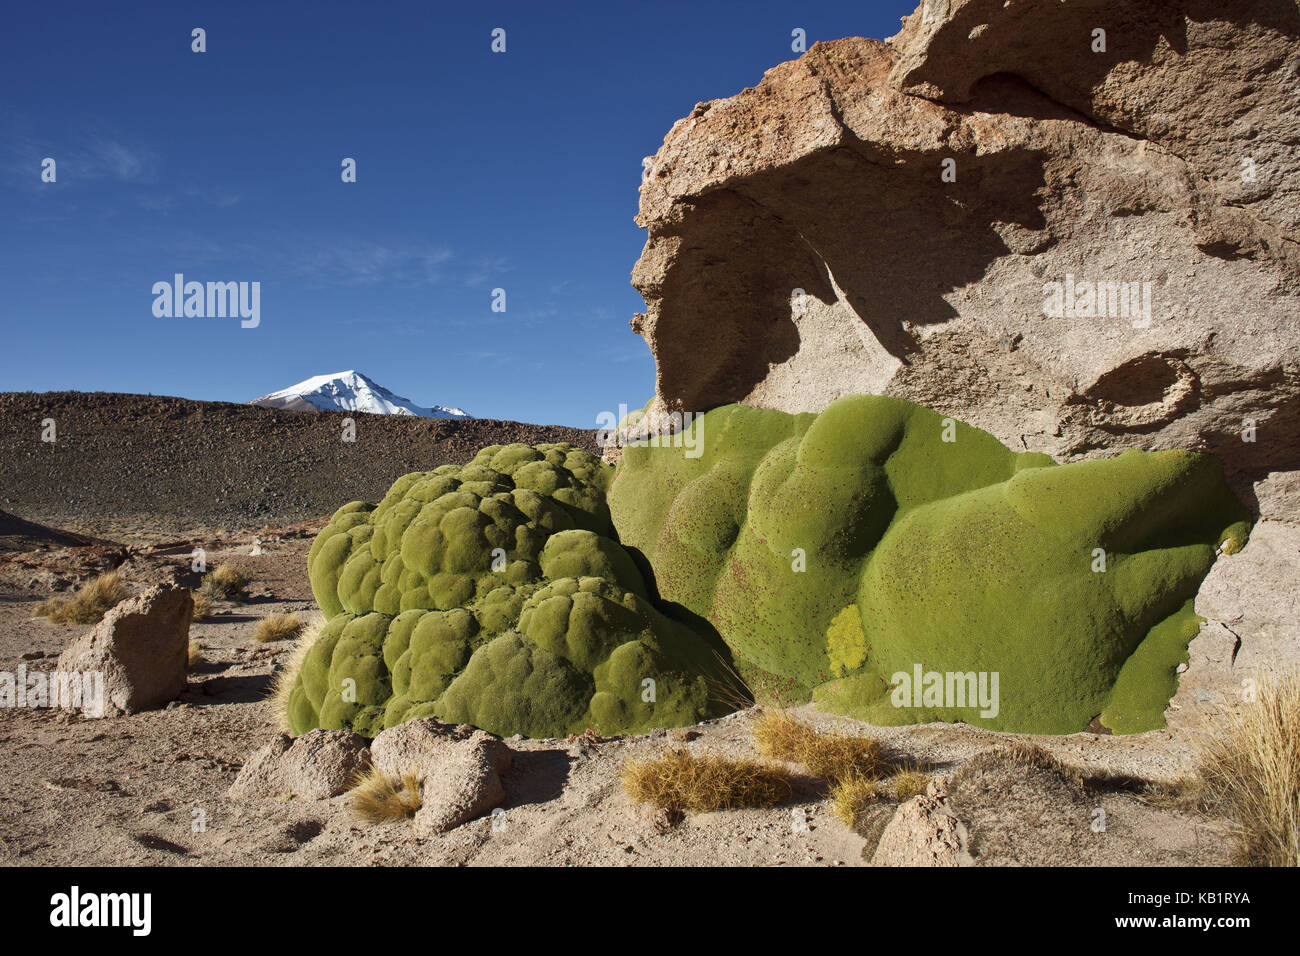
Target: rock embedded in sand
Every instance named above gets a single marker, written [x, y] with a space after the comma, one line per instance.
[459, 768]
[140, 647]
[316, 766]
[924, 832]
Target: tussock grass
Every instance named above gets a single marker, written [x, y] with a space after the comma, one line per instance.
[728, 688]
[91, 602]
[202, 606]
[853, 795]
[1186, 792]
[1251, 773]
[836, 758]
[195, 657]
[1021, 752]
[852, 766]
[226, 583]
[678, 781]
[283, 681]
[378, 797]
[277, 627]
[908, 782]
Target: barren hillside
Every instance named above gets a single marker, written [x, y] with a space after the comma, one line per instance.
[185, 465]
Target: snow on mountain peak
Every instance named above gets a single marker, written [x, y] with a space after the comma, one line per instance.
[351, 391]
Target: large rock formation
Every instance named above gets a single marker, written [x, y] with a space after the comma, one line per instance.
[805, 242]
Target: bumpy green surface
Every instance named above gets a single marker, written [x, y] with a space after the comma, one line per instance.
[960, 556]
[494, 594]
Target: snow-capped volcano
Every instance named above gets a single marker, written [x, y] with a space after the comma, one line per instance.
[352, 392]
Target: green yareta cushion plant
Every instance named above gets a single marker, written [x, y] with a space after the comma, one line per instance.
[494, 594]
[880, 559]
[891, 564]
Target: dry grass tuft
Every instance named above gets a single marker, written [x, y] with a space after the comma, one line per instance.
[202, 606]
[226, 583]
[1251, 773]
[851, 796]
[728, 688]
[1020, 752]
[1183, 793]
[677, 781]
[852, 766]
[91, 602]
[378, 797]
[277, 627]
[836, 758]
[908, 782]
[283, 680]
[195, 655]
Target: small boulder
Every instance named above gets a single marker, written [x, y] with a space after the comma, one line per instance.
[140, 648]
[924, 832]
[316, 766]
[459, 768]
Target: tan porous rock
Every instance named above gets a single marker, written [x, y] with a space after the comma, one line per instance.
[459, 769]
[140, 647]
[315, 766]
[924, 832]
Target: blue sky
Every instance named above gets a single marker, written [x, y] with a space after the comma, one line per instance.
[475, 171]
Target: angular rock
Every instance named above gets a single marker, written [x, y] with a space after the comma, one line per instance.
[924, 832]
[459, 768]
[803, 242]
[140, 647]
[1253, 609]
[315, 766]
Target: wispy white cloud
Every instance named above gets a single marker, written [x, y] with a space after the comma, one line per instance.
[538, 314]
[365, 262]
[100, 156]
[479, 271]
[486, 354]
[79, 158]
[183, 200]
[90, 153]
[391, 326]
[638, 354]
[321, 259]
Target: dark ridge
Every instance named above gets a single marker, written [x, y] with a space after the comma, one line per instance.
[185, 464]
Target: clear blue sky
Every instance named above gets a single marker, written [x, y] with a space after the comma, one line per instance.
[474, 171]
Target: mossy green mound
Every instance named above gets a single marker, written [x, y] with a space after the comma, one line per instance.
[494, 594]
[846, 556]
